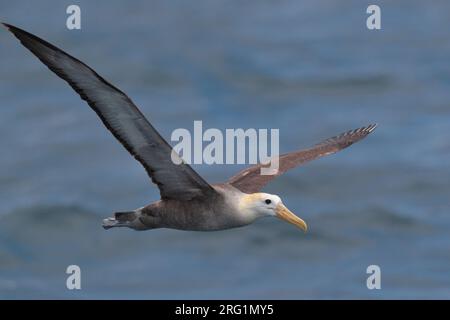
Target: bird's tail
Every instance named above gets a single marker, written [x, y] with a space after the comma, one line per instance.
[128, 219]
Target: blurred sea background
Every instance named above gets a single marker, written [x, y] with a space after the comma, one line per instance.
[311, 69]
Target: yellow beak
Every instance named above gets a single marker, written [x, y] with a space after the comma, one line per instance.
[284, 214]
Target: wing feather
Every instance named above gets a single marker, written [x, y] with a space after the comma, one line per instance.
[121, 116]
[250, 180]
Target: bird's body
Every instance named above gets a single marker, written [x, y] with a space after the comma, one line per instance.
[187, 202]
[202, 214]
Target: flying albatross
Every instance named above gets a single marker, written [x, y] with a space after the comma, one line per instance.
[187, 202]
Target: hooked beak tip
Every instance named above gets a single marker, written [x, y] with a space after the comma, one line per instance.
[285, 214]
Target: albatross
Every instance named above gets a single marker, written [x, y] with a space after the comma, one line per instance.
[187, 201]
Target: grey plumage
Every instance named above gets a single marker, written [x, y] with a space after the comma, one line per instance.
[121, 116]
[187, 202]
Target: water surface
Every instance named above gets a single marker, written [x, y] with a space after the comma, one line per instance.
[310, 69]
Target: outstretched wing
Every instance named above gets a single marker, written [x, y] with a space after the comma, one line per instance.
[121, 116]
[250, 180]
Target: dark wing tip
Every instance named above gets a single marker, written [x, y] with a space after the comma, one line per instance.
[25, 36]
[363, 131]
[7, 26]
[360, 132]
[12, 28]
[348, 138]
[370, 128]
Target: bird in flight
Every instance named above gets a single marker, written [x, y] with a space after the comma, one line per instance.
[187, 201]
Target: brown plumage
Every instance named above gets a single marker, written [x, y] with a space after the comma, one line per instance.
[187, 202]
[250, 180]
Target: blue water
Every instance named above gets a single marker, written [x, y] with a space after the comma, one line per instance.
[309, 68]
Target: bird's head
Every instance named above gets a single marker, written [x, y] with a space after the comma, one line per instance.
[269, 205]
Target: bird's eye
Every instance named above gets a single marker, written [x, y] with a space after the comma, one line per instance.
[268, 201]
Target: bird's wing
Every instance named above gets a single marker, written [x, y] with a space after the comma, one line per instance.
[121, 116]
[251, 180]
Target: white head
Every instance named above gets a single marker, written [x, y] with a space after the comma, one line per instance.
[257, 205]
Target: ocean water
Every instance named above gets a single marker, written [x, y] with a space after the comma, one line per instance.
[311, 69]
